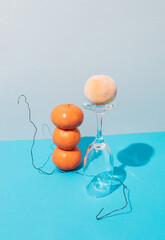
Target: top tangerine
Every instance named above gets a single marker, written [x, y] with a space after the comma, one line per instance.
[67, 116]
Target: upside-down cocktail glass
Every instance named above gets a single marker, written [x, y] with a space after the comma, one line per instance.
[98, 161]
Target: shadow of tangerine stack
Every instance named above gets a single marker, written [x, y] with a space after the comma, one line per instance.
[67, 118]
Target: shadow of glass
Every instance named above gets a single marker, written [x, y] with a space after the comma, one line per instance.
[136, 155]
[120, 174]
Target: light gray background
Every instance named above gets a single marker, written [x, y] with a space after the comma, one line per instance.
[49, 48]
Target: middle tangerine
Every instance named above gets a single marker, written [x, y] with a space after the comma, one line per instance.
[66, 139]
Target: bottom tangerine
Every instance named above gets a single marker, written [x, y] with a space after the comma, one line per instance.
[67, 160]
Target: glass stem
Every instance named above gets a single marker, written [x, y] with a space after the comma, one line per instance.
[99, 136]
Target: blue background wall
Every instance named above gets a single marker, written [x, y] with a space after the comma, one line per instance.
[50, 48]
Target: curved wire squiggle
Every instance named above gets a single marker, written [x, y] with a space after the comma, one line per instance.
[118, 209]
[34, 137]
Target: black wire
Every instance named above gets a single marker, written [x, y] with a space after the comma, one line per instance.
[33, 142]
[118, 209]
[61, 171]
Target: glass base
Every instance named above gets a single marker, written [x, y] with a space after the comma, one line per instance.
[101, 185]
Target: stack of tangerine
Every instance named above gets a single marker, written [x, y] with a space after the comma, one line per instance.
[66, 136]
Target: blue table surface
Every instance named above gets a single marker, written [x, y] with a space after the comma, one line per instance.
[34, 206]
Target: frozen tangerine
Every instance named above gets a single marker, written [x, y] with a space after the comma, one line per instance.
[67, 160]
[100, 89]
[67, 116]
[66, 139]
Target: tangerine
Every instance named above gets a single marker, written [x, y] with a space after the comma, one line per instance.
[66, 139]
[67, 116]
[67, 160]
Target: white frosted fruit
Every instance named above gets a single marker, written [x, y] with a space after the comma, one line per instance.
[100, 89]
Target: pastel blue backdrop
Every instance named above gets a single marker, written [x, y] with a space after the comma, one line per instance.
[50, 48]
